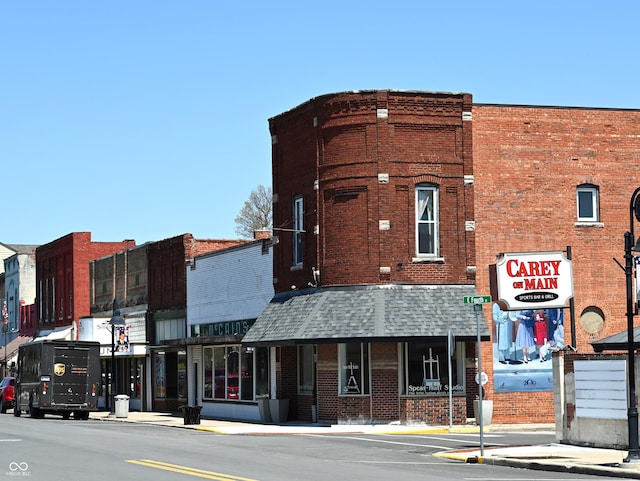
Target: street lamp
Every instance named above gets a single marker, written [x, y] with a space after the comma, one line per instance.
[116, 320]
[632, 413]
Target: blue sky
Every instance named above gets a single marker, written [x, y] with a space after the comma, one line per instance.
[149, 119]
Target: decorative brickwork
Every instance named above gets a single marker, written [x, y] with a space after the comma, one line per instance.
[331, 151]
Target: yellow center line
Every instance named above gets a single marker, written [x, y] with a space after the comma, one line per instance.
[176, 468]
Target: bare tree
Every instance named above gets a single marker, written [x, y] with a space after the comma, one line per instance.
[257, 213]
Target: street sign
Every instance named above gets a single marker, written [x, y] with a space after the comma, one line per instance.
[477, 299]
[481, 377]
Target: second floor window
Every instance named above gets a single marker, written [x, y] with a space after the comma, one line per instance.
[427, 235]
[298, 226]
[587, 203]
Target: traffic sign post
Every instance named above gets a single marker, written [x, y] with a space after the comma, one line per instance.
[477, 302]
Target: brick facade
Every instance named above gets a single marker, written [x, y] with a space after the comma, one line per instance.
[331, 151]
[507, 178]
[121, 276]
[62, 277]
[528, 162]
[167, 274]
[355, 159]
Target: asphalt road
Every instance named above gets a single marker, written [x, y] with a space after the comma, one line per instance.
[52, 449]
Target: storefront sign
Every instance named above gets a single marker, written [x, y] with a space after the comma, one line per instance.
[529, 280]
[225, 328]
[434, 388]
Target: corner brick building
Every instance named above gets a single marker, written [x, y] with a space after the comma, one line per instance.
[365, 299]
[389, 207]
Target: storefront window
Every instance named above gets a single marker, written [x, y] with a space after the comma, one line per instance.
[220, 380]
[229, 372]
[246, 388]
[426, 369]
[233, 372]
[160, 390]
[208, 374]
[354, 368]
[136, 372]
[261, 356]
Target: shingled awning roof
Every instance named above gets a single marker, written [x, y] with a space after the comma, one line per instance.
[367, 314]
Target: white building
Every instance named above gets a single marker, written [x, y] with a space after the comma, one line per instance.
[226, 291]
[20, 282]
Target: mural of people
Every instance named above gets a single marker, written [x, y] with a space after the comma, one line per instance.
[540, 331]
[521, 366]
[524, 337]
[504, 333]
[556, 318]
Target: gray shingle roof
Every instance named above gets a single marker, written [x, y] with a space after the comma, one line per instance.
[368, 313]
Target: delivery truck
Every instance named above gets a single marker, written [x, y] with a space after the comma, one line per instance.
[58, 377]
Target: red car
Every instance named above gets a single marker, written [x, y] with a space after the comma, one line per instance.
[7, 393]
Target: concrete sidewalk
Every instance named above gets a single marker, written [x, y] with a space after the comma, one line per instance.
[554, 457]
[548, 457]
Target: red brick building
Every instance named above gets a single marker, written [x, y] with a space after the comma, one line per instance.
[390, 206]
[366, 295]
[62, 278]
[530, 166]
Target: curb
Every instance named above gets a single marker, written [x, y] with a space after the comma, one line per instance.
[594, 470]
[618, 471]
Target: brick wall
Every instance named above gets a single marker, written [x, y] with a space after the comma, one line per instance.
[122, 275]
[327, 380]
[287, 378]
[344, 141]
[167, 270]
[384, 382]
[528, 162]
[433, 410]
[64, 263]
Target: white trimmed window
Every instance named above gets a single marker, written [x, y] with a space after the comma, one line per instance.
[298, 226]
[587, 203]
[427, 229]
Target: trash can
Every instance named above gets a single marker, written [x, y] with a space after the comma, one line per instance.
[191, 414]
[122, 405]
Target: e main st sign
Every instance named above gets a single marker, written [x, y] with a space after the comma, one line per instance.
[532, 280]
